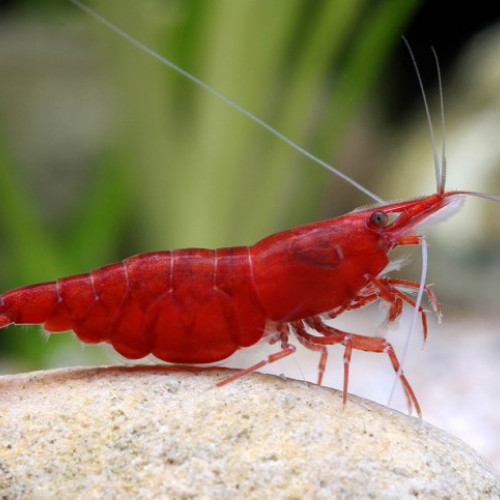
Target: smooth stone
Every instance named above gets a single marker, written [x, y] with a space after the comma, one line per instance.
[161, 432]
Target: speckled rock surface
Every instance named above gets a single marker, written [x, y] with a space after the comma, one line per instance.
[150, 432]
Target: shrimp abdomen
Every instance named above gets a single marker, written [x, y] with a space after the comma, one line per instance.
[186, 306]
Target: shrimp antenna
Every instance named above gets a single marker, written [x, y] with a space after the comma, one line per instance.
[414, 319]
[221, 96]
[441, 172]
[443, 127]
[437, 168]
[440, 181]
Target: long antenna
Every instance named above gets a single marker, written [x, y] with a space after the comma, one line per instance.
[437, 169]
[231, 103]
[440, 178]
[443, 128]
[414, 319]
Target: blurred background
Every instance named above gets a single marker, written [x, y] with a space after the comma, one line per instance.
[105, 153]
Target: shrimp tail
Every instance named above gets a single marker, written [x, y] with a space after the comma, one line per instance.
[33, 304]
[62, 305]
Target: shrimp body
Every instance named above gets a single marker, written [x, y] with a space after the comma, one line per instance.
[200, 306]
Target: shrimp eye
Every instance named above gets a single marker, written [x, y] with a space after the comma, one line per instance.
[379, 219]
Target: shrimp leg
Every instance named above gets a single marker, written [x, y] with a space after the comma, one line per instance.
[286, 350]
[303, 338]
[352, 341]
[386, 289]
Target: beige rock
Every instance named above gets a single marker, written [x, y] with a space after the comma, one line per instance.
[154, 432]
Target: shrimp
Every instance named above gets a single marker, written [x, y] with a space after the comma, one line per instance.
[199, 306]
[196, 306]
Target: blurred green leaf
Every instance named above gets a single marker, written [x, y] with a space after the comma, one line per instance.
[177, 167]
